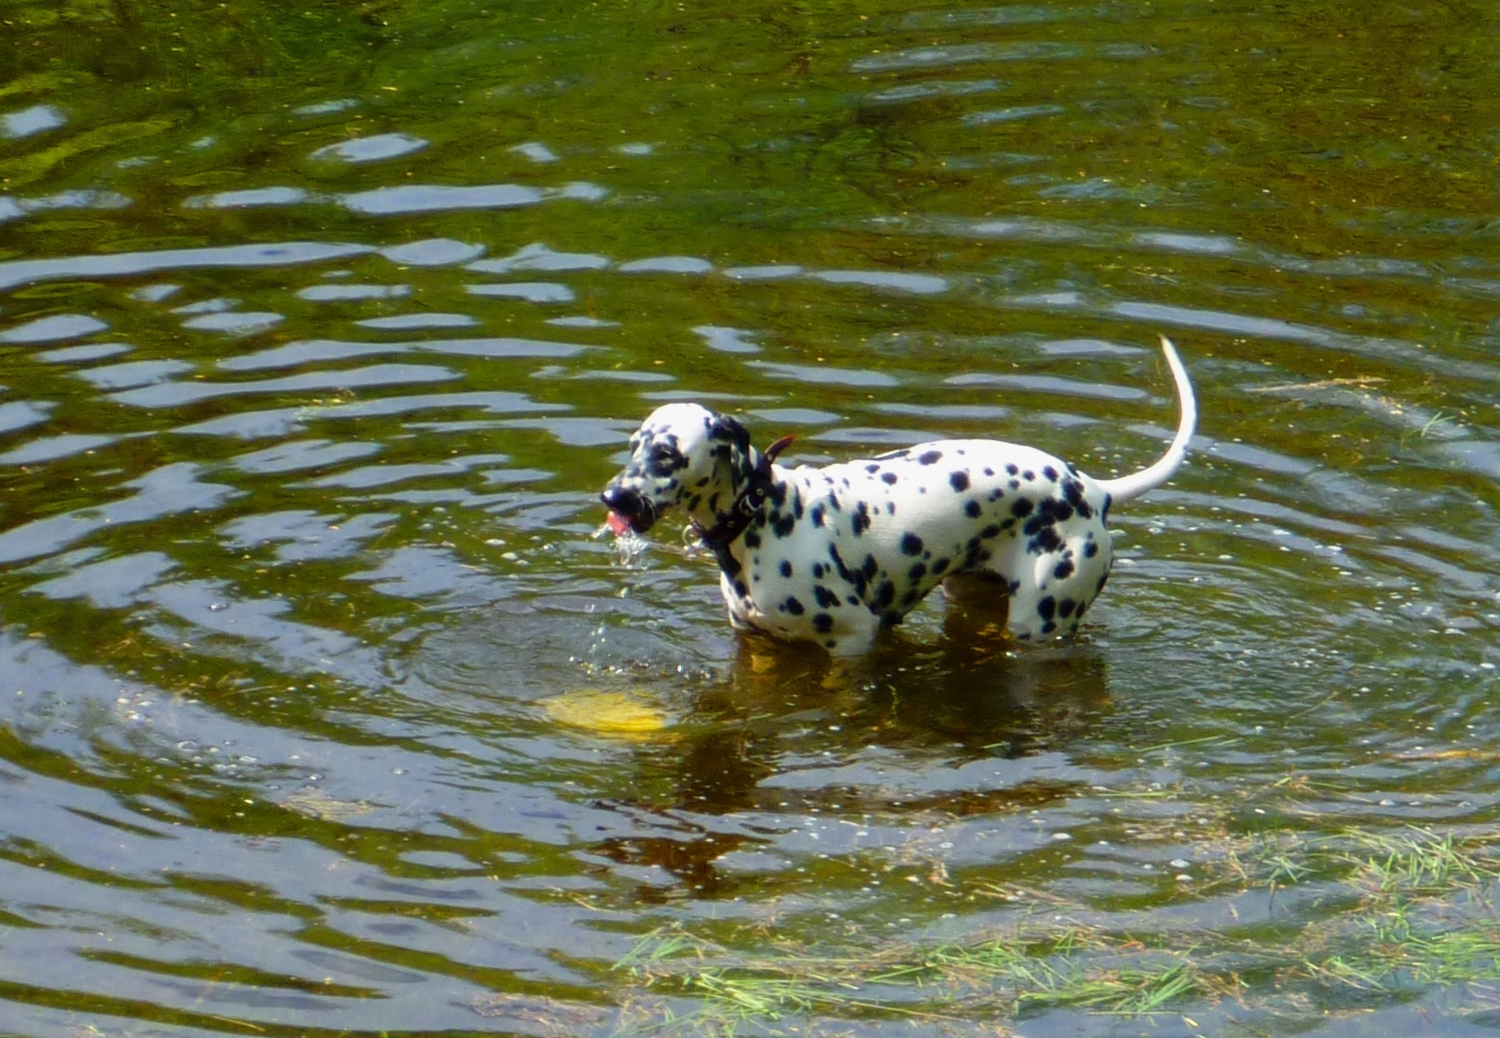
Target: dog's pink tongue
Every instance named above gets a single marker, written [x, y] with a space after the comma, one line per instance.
[618, 523]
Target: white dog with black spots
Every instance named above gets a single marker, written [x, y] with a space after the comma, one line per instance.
[834, 554]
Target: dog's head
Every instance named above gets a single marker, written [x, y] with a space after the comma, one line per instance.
[683, 455]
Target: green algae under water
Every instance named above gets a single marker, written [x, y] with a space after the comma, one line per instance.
[323, 709]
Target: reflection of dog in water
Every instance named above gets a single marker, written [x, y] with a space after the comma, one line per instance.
[832, 555]
[789, 737]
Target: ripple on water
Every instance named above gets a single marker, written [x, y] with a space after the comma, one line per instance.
[80, 354]
[133, 373]
[378, 148]
[530, 291]
[169, 490]
[20, 414]
[826, 375]
[418, 321]
[112, 583]
[321, 350]
[300, 455]
[124, 264]
[179, 394]
[667, 265]
[299, 535]
[433, 252]
[50, 329]
[52, 448]
[538, 256]
[351, 293]
[25, 122]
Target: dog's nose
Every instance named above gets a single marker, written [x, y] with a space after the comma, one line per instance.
[630, 506]
[622, 500]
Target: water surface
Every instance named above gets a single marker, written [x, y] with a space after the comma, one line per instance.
[324, 710]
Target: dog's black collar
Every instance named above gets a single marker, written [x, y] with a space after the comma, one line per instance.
[746, 506]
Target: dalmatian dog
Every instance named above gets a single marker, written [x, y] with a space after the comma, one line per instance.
[834, 554]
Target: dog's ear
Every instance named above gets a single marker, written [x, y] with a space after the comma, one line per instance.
[729, 432]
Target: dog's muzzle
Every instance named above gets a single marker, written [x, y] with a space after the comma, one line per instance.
[629, 505]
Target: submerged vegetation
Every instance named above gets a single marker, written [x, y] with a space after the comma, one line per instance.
[1403, 910]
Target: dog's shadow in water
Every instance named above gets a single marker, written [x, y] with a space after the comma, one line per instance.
[955, 700]
[783, 707]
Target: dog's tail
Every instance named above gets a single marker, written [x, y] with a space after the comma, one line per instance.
[1127, 487]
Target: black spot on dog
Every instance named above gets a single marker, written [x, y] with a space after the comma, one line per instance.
[752, 539]
[793, 606]
[940, 567]
[740, 589]
[930, 458]
[826, 599]
[872, 468]
[838, 563]
[1050, 473]
[959, 480]
[917, 572]
[1063, 570]
[1057, 511]
[989, 532]
[818, 570]
[786, 568]
[822, 623]
[886, 595]
[911, 544]
[783, 526]
[1047, 608]
[890, 479]
[1029, 476]
[973, 510]
[1020, 507]
[816, 515]
[1090, 550]
[861, 521]
[869, 568]
[1045, 542]
[1073, 492]
[1065, 608]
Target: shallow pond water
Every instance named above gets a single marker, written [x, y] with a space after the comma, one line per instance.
[325, 708]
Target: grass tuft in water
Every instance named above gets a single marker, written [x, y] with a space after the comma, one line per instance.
[1422, 915]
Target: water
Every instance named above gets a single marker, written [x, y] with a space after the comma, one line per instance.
[323, 709]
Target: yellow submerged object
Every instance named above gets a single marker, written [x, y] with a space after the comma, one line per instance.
[617, 714]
